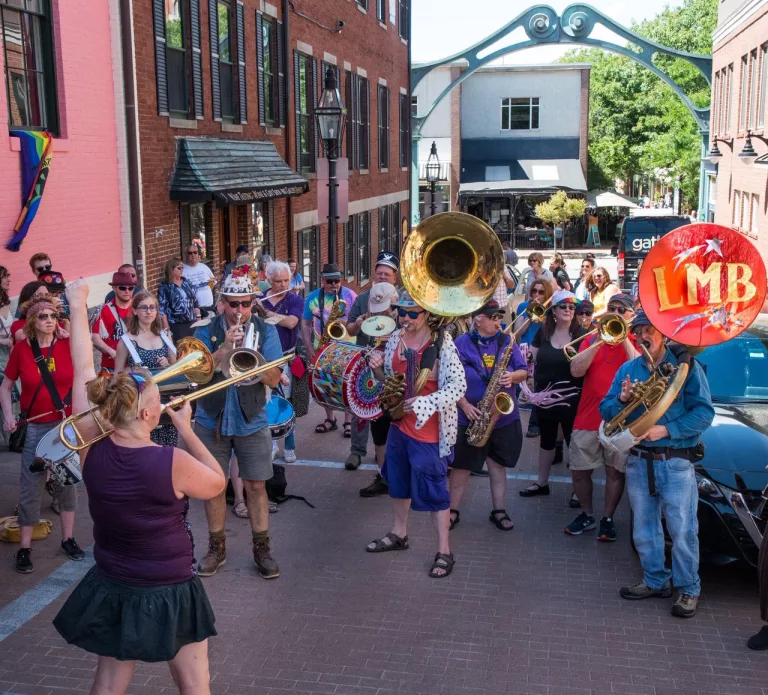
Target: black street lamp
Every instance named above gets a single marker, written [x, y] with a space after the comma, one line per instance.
[330, 122]
[433, 173]
[714, 151]
[748, 154]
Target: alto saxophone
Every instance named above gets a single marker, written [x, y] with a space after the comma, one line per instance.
[493, 404]
[334, 328]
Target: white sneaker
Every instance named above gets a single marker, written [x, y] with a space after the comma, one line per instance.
[275, 450]
[289, 456]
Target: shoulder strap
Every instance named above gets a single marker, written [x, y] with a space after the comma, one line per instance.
[42, 365]
[168, 342]
[118, 319]
[131, 349]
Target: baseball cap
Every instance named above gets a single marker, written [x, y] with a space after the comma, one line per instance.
[491, 308]
[381, 296]
[390, 259]
[624, 299]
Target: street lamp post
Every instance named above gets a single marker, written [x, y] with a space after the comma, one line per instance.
[330, 122]
[433, 174]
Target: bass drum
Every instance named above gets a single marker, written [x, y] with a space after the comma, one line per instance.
[341, 379]
[281, 417]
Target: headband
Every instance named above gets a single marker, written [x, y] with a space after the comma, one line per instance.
[38, 305]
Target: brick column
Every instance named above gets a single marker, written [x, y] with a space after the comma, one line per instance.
[455, 175]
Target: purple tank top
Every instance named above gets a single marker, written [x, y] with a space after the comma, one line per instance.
[140, 530]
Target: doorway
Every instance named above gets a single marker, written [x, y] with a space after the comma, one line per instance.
[228, 234]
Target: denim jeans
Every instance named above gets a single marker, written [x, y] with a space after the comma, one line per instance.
[678, 499]
[290, 441]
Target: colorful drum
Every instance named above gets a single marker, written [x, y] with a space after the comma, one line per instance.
[341, 379]
[281, 417]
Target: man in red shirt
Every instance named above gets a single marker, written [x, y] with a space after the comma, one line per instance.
[110, 324]
[598, 366]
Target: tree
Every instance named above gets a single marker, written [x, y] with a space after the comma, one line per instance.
[637, 124]
[559, 209]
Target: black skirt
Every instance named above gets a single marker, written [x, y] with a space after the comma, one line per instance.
[134, 623]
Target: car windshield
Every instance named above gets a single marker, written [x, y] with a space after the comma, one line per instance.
[648, 230]
[737, 370]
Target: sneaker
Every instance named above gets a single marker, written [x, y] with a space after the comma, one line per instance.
[23, 560]
[263, 559]
[640, 591]
[607, 532]
[377, 487]
[214, 558]
[71, 548]
[558, 453]
[275, 451]
[353, 462]
[685, 606]
[759, 641]
[289, 456]
[583, 522]
[533, 431]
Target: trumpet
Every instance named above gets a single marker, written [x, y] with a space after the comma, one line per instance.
[611, 329]
[244, 358]
[535, 313]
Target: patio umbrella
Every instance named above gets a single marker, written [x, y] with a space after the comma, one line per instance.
[609, 199]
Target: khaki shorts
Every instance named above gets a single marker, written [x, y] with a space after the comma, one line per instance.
[254, 452]
[587, 453]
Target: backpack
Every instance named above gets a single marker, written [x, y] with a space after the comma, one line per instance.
[278, 484]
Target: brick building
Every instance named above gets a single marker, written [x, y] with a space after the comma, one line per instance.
[739, 88]
[226, 142]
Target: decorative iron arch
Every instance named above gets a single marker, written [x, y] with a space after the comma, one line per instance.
[542, 26]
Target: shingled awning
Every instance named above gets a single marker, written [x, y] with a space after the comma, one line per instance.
[232, 171]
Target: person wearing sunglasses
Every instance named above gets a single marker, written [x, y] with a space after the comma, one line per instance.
[46, 399]
[598, 367]
[419, 445]
[234, 420]
[538, 272]
[141, 601]
[601, 288]
[552, 370]
[580, 288]
[110, 324]
[584, 312]
[131, 270]
[479, 352]
[39, 263]
[557, 268]
[317, 309]
[178, 301]
[199, 276]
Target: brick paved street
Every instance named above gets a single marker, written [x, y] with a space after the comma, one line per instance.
[531, 611]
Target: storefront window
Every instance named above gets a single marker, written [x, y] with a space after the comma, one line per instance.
[193, 229]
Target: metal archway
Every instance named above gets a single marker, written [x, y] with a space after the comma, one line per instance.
[542, 26]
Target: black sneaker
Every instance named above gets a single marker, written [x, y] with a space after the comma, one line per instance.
[23, 560]
[377, 487]
[583, 522]
[71, 548]
[607, 532]
[533, 431]
[558, 453]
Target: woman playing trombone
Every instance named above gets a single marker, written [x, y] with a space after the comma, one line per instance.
[142, 600]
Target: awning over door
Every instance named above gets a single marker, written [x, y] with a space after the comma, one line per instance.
[232, 172]
[529, 176]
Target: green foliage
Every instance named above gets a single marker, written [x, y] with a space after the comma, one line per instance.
[560, 208]
[637, 124]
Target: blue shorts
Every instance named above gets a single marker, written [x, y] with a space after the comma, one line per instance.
[414, 470]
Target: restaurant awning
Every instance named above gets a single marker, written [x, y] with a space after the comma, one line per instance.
[232, 171]
[532, 176]
[609, 199]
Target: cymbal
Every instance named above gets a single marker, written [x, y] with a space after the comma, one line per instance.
[378, 326]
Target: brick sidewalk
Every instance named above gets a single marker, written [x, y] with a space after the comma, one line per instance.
[530, 611]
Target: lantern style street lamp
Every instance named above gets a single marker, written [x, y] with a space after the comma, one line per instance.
[433, 173]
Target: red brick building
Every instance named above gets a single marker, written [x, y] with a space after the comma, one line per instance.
[226, 140]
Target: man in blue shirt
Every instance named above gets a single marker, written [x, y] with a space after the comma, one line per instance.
[235, 420]
[660, 473]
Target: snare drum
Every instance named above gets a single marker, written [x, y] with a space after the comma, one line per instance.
[341, 379]
[281, 417]
[63, 463]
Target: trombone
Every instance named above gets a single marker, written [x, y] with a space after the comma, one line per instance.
[535, 313]
[611, 329]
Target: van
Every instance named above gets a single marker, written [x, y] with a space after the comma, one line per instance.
[637, 236]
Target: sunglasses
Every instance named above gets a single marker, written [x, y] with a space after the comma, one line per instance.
[402, 313]
[537, 291]
[124, 288]
[598, 277]
[567, 307]
[43, 268]
[46, 317]
[332, 281]
[245, 303]
[192, 253]
[584, 313]
[145, 307]
[618, 310]
[140, 382]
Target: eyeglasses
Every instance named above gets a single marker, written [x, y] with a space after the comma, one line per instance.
[402, 313]
[43, 268]
[245, 303]
[618, 310]
[584, 313]
[332, 281]
[147, 308]
[192, 253]
[46, 317]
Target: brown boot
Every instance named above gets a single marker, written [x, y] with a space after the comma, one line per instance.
[262, 558]
[214, 558]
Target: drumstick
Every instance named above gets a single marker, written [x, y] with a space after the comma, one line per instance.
[277, 294]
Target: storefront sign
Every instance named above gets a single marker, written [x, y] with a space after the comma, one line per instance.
[234, 198]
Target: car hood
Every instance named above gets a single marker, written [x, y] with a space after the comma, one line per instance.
[737, 444]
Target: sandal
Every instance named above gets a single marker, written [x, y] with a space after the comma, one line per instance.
[273, 508]
[574, 503]
[454, 522]
[322, 428]
[386, 543]
[240, 510]
[498, 520]
[534, 490]
[348, 430]
[442, 562]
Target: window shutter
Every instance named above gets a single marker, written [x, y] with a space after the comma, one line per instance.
[356, 119]
[312, 126]
[197, 58]
[213, 23]
[386, 127]
[367, 144]
[280, 86]
[260, 65]
[243, 98]
[158, 19]
[297, 108]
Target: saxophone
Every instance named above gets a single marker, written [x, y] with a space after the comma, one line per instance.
[334, 329]
[493, 404]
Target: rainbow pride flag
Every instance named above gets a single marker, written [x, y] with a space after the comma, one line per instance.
[36, 150]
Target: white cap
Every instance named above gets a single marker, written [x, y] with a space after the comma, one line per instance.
[381, 296]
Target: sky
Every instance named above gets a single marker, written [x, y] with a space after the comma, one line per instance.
[444, 27]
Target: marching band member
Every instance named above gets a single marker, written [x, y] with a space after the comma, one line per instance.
[480, 352]
[598, 366]
[141, 601]
[660, 474]
[419, 444]
[110, 324]
[318, 308]
[235, 419]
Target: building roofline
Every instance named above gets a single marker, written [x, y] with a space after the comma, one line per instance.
[540, 67]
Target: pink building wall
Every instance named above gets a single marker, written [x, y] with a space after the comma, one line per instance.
[79, 220]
